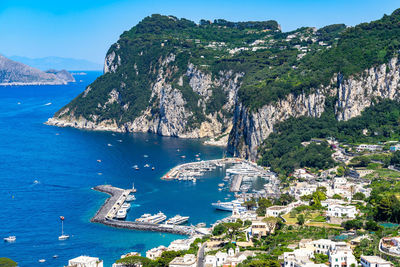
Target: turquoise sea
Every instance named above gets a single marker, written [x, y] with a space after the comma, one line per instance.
[64, 163]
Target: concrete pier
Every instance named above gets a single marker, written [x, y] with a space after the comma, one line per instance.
[117, 197]
[236, 183]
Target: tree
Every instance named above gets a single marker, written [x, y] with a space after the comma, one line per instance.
[219, 229]
[301, 219]
[359, 196]
[263, 204]
[340, 171]
[395, 160]
[250, 204]
[337, 196]
[132, 261]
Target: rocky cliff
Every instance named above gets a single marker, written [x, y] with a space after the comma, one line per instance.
[353, 95]
[233, 82]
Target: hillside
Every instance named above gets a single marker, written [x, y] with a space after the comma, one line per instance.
[15, 73]
[236, 80]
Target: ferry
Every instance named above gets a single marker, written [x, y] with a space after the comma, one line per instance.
[10, 239]
[228, 206]
[143, 217]
[156, 218]
[178, 219]
[130, 198]
[121, 214]
[126, 206]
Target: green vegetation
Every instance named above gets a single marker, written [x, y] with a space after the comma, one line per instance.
[6, 262]
[280, 63]
[283, 150]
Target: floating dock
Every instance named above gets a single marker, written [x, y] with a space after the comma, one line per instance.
[117, 197]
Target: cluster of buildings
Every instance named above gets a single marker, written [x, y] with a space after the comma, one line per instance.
[339, 254]
[390, 245]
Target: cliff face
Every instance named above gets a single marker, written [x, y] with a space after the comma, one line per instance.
[353, 95]
[167, 111]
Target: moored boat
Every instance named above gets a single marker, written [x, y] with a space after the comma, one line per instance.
[121, 214]
[178, 219]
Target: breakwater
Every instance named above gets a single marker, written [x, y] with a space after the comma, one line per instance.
[117, 197]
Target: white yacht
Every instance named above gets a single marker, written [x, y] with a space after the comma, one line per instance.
[126, 206]
[121, 214]
[156, 218]
[10, 239]
[228, 206]
[178, 219]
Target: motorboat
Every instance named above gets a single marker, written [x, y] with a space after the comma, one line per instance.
[42, 260]
[130, 198]
[147, 165]
[121, 214]
[156, 218]
[126, 206]
[10, 239]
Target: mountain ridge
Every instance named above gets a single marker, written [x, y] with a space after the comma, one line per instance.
[233, 83]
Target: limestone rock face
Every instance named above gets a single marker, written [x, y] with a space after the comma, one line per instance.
[234, 124]
[167, 113]
[354, 94]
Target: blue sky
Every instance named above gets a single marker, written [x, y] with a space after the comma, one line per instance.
[86, 28]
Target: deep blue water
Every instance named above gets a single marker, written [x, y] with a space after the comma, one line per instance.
[64, 161]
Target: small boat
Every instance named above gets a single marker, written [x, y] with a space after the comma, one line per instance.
[62, 236]
[221, 185]
[121, 214]
[130, 198]
[42, 260]
[219, 189]
[55, 256]
[198, 159]
[10, 239]
[201, 225]
[145, 156]
[19, 103]
[113, 134]
[109, 144]
[119, 140]
[48, 104]
[99, 160]
[36, 182]
[183, 156]
[99, 173]
[136, 167]
[57, 134]
[147, 165]
[194, 180]
[197, 155]
[153, 168]
[178, 150]
[126, 206]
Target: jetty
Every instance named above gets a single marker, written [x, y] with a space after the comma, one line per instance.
[105, 215]
[236, 183]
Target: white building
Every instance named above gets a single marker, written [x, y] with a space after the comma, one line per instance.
[369, 147]
[340, 254]
[275, 211]
[321, 246]
[300, 258]
[85, 261]
[232, 258]
[340, 211]
[181, 244]
[155, 253]
[259, 228]
[374, 261]
[188, 260]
